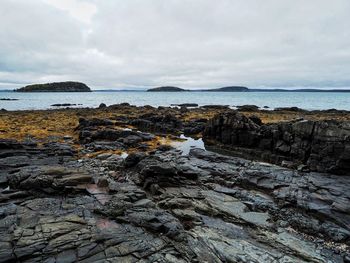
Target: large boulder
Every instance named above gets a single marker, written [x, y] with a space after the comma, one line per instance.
[232, 128]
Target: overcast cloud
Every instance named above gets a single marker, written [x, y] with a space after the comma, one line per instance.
[187, 43]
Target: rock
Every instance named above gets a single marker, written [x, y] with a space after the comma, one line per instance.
[133, 159]
[256, 120]
[288, 164]
[64, 104]
[165, 148]
[48, 179]
[323, 146]
[131, 140]
[60, 149]
[187, 105]
[202, 207]
[8, 99]
[102, 106]
[102, 182]
[62, 205]
[184, 109]
[103, 156]
[218, 107]
[156, 220]
[120, 106]
[97, 146]
[295, 109]
[248, 108]
[233, 128]
[194, 126]
[156, 122]
[84, 123]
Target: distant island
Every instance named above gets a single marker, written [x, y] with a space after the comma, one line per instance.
[176, 89]
[166, 88]
[230, 89]
[67, 86]
[241, 89]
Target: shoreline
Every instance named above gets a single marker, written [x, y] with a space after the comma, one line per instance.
[70, 115]
[34, 101]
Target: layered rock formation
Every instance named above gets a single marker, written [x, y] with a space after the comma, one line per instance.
[166, 207]
[322, 146]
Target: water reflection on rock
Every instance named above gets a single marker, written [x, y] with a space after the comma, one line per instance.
[187, 143]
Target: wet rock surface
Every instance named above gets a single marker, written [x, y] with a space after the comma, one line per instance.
[165, 207]
[322, 146]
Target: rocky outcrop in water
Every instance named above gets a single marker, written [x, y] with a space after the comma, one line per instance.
[8, 99]
[322, 146]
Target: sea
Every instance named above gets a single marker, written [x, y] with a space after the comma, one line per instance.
[304, 100]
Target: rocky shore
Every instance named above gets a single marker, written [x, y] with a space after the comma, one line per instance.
[112, 185]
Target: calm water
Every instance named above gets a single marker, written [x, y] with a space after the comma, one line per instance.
[305, 100]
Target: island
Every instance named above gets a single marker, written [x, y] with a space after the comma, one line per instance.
[166, 88]
[242, 89]
[223, 89]
[67, 86]
[229, 89]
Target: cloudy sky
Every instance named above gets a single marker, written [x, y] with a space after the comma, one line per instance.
[187, 43]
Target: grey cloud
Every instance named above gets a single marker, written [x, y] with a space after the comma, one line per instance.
[197, 43]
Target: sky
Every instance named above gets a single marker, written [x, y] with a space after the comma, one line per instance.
[191, 44]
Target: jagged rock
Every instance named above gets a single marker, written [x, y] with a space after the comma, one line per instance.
[256, 119]
[112, 139]
[48, 179]
[156, 220]
[158, 122]
[194, 126]
[323, 146]
[133, 159]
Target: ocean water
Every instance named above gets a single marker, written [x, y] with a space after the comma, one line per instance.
[305, 100]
